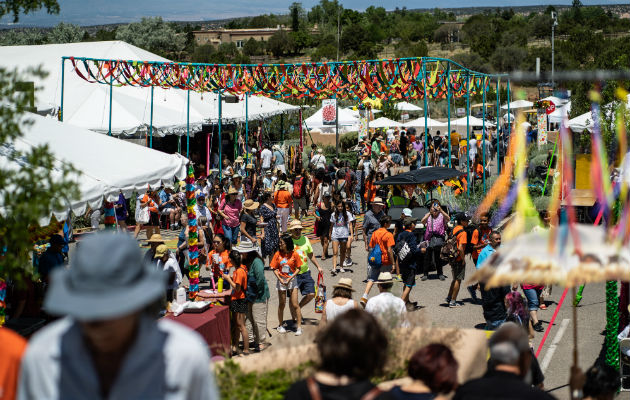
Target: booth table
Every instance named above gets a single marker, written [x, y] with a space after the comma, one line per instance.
[213, 325]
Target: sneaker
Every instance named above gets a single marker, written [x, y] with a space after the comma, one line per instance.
[298, 332]
[424, 278]
[452, 304]
[447, 300]
[442, 277]
[398, 278]
[538, 327]
[341, 270]
[281, 329]
[348, 262]
[473, 294]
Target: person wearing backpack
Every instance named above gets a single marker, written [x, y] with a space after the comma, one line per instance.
[458, 265]
[407, 252]
[300, 188]
[380, 255]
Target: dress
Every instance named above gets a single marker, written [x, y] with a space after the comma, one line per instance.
[270, 243]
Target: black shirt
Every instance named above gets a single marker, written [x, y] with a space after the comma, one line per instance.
[250, 224]
[493, 303]
[354, 391]
[495, 385]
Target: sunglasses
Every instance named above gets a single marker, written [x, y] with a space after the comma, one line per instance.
[216, 241]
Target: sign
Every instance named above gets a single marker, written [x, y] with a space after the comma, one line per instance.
[329, 111]
[551, 108]
[363, 124]
[542, 128]
[461, 111]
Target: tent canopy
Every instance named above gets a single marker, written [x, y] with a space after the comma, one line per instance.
[419, 123]
[384, 122]
[421, 175]
[560, 112]
[473, 121]
[87, 104]
[405, 106]
[346, 118]
[518, 104]
[107, 165]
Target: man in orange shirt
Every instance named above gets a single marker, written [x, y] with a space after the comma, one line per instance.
[480, 239]
[458, 266]
[284, 201]
[12, 348]
[385, 239]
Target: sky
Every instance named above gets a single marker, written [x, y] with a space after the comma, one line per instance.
[91, 12]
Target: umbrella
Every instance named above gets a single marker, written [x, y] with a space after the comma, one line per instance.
[404, 106]
[419, 123]
[421, 175]
[518, 104]
[384, 122]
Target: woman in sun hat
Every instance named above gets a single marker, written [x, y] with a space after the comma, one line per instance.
[249, 221]
[340, 302]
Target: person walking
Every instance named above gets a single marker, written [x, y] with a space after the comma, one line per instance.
[458, 266]
[284, 203]
[249, 221]
[286, 265]
[265, 158]
[408, 266]
[318, 160]
[340, 302]
[300, 191]
[304, 280]
[385, 240]
[387, 308]
[230, 210]
[277, 159]
[323, 214]
[480, 239]
[371, 222]
[341, 221]
[268, 215]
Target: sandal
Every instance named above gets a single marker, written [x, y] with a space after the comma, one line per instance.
[333, 272]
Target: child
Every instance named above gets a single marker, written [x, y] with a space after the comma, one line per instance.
[238, 303]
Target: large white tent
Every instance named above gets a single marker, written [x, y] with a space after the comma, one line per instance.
[384, 122]
[405, 106]
[348, 121]
[518, 104]
[581, 122]
[87, 104]
[107, 165]
[472, 121]
[561, 111]
[419, 123]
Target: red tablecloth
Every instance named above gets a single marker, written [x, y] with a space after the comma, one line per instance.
[213, 324]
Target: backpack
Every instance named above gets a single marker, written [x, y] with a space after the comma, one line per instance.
[298, 188]
[450, 251]
[375, 258]
[402, 251]
[470, 229]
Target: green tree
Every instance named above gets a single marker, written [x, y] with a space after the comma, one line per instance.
[15, 7]
[353, 37]
[15, 37]
[482, 33]
[253, 47]
[296, 12]
[66, 33]
[152, 34]
[409, 49]
[280, 43]
[326, 51]
[508, 58]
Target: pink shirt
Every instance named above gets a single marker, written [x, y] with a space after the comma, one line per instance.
[231, 212]
[435, 226]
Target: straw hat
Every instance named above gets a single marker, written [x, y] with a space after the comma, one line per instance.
[250, 204]
[378, 201]
[385, 277]
[345, 283]
[156, 238]
[246, 247]
[295, 224]
[232, 190]
[239, 159]
[249, 166]
[237, 176]
[281, 185]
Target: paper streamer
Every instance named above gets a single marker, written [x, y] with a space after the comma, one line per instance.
[193, 238]
[3, 296]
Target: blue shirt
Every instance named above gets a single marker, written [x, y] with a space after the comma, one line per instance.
[279, 157]
[486, 252]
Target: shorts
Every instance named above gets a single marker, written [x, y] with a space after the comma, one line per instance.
[239, 306]
[305, 283]
[459, 270]
[532, 298]
[300, 204]
[340, 240]
[374, 272]
[408, 275]
[154, 219]
[292, 285]
[323, 229]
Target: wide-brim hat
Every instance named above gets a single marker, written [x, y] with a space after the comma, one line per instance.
[108, 279]
[250, 204]
[385, 277]
[246, 246]
[232, 190]
[156, 238]
[239, 159]
[249, 166]
[281, 185]
[295, 224]
[378, 201]
[345, 283]
[235, 176]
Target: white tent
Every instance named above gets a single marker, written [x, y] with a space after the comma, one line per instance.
[419, 123]
[505, 117]
[560, 112]
[87, 104]
[347, 120]
[107, 165]
[581, 122]
[518, 104]
[384, 122]
[473, 121]
[404, 106]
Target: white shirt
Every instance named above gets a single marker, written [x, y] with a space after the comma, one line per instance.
[266, 155]
[391, 310]
[203, 211]
[171, 265]
[166, 361]
[333, 310]
[472, 148]
[319, 160]
[341, 228]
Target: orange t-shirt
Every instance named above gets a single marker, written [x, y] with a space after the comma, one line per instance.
[224, 258]
[152, 206]
[479, 171]
[286, 265]
[240, 278]
[283, 199]
[385, 239]
[384, 148]
[461, 238]
[12, 347]
[370, 191]
[476, 239]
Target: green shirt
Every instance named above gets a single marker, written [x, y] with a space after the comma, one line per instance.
[257, 273]
[376, 149]
[304, 248]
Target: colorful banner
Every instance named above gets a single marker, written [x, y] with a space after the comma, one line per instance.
[542, 127]
[329, 112]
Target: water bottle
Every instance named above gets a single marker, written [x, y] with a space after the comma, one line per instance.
[220, 285]
[181, 296]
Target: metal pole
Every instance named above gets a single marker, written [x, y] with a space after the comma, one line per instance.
[553, 29]
[282, 126]
[468, 132]
[509, 118]
[483, 135]
[188, 125]
[220, 141]
[337, 126]
[111, 94]
[498, 136]
[426, 115]
[150, 123]
[246, 130]
[448, 107]
[63, 70]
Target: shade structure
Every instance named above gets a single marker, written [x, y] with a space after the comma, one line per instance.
[473, 121]
[581, 122]
[421, 175]
[419, 123]
[505, 117]
[384, 122]
[346, 118]
[107, 165]
[560, 113]
[405, 106]
[88, 105]
[518, 104]
[527, 258]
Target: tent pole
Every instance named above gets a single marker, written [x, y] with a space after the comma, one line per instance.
[498, 136]
[336, 126]
[207, 153]
[508, 102]
[111, 93]
[220, 141]
[188, 125]
[246, 131]
[301, 137]
[448, 102]
[468, 133]
[426, 115]
[151, 122]
[483, 136]
[282, 126]
[63, 70]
